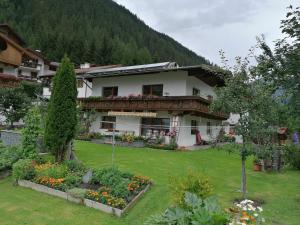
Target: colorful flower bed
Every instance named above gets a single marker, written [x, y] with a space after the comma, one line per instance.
[108, 186]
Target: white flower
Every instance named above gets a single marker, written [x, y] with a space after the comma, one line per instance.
[255, 214]
[260, 209]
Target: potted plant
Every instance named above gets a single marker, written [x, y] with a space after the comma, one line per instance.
[257, 165]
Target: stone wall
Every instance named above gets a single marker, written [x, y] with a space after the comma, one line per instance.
[11, 138]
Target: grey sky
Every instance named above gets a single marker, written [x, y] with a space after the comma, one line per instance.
[206, 26]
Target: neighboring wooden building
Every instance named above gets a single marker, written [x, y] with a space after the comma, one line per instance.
[16, 60]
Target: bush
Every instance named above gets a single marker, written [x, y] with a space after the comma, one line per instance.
[108, 177]
[8, 156]
[23, 170]
[120, 190]
[72, 181]
[292, 156]
[198, 211]
[193, 183]
[75, 166]
[52, 170]
[77, 192]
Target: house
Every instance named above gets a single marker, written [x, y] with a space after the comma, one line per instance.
[84, 87]
[17, 61]
[154, 100]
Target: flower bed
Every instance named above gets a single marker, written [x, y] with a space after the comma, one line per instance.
[108, 189]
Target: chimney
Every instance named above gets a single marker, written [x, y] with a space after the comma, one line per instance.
[85, 65]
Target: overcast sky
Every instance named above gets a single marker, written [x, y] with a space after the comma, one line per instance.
[206, 26]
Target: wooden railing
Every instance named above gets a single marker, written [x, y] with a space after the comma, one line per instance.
[180, 104]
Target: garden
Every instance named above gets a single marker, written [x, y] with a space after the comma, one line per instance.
[278, 193]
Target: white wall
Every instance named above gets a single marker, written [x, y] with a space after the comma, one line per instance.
[185, 137]
[205, 89]
[174, 83]
[83, 92]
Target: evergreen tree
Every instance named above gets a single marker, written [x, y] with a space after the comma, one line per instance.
[62, 114]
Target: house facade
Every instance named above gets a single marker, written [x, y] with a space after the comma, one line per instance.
[155, 100]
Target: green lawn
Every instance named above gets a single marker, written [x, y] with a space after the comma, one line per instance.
[280, 191]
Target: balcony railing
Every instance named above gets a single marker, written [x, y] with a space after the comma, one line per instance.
[179, 104]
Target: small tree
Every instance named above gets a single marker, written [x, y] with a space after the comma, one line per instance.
[31, 132]
[62, 114]
[14, 104]
[252, 100]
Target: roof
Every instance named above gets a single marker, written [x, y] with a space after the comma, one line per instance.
[9, 32]
[209, 74]
[79, 71]
[38, 54]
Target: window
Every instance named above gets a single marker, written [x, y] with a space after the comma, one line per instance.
[110, 91]
[33, 75]
[196, 92]
[155, 125]
[156, 90]
[108, 122]
[194, 126]
[79, 83]
[210, 97]
[1, 70]
[208, 128]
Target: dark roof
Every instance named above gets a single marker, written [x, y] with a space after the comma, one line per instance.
[209, 74]
[9, 32]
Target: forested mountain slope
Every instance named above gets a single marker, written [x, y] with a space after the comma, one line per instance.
[96, 31]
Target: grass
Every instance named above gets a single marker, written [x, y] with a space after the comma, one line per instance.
[281, 192]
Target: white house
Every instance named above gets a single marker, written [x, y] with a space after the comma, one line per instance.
[155, 99]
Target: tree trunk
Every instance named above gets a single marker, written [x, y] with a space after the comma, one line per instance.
[70, 155]
[244, 187]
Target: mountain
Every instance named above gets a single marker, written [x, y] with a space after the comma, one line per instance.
[96, 31]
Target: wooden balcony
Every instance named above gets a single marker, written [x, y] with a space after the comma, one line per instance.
[180, 105]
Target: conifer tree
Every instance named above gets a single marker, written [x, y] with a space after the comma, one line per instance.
[62, 114]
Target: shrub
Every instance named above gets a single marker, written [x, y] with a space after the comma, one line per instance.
[23, 170]
[198, 211]
[194, 183]
[51, 170]
[75, 166]
[292, 156]
[72, 181]
[8, 156]
[120, 190]
[107, 177]
[77, 192]
[127, 138]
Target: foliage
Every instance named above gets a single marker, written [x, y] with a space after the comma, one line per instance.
[106, 198]
[127, 138]
[31, 132]
[75, 166]
[280, 68]
[51, 170]
[13, 104]
[77, 192]
[122, 38]
[72, 180]
[247, 213]
[86, 118]
[62, 114]
[198, 211]
[23, 169]
[31, 89]
[8, 156]
[292, 156]
[194, 183]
